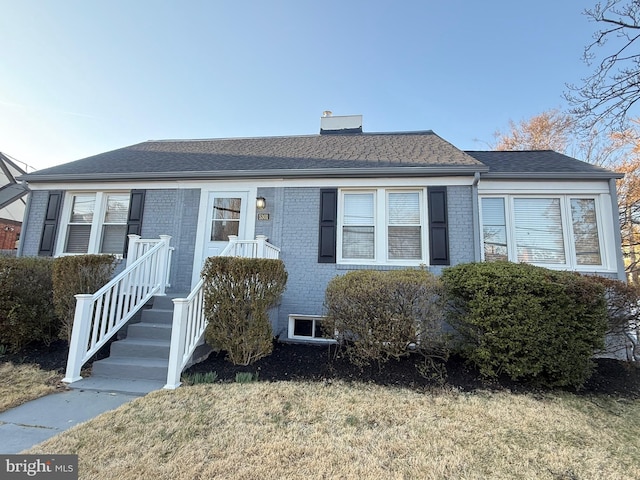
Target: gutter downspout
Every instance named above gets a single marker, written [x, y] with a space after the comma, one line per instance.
[25, 224]
[613, 192]
[477, 244]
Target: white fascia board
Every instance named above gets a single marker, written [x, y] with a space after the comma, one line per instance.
[496, 187]
[259, 183]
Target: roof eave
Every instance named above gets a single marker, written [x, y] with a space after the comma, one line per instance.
[405, 171]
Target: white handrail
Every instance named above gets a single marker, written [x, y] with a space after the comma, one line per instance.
[189, 324]
[99, 316]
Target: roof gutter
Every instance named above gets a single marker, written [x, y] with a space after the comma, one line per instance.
[395, 172]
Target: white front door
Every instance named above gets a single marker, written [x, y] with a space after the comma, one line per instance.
[226, 215]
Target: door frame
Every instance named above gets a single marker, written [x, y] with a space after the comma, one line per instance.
[203, 219]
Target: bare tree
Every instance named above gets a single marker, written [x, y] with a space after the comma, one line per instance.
[555, 130]
[608, 94]
[550, 130]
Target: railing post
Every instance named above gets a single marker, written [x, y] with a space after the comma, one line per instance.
[261, 241]
[132, 251]
[178, 334]
[79, 337]
[163, 267]
[233, 245]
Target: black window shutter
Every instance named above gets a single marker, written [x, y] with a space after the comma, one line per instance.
[328, 225]
[438, 232]
[134, 218]
[50, 227]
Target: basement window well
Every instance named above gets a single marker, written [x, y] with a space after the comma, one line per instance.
[310, 328]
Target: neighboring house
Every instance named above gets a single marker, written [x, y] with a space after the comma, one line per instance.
[12, 204]
[334, 202]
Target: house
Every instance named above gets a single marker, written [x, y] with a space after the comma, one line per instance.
[12, 204]
[326, 204]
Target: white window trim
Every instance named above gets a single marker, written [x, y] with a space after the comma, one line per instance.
[96, 223]
[380, 205]
[310, 339]
[567, 226]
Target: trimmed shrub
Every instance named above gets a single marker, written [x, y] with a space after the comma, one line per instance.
[623, 315]
[26, 302]
[237, 295]
[386, 314]
[76, 274]
[528, 322]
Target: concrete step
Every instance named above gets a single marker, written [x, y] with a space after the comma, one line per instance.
[165, 302]
[149, 331]
[131, 368]
[157, 315]
[141, 348]
[130, 386]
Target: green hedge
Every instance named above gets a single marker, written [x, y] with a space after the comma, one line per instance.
[531, 323]
[237, 295]
[26, 302]
[386, 314]
[76, 274]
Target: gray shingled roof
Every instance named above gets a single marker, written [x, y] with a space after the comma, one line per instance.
[538, 164]
[366, 154]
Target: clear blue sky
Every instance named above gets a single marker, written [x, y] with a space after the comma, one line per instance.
[82, 77]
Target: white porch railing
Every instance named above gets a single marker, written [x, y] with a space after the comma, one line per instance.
[258, 248]
[187, 331]
[99, 316]
[189, 322]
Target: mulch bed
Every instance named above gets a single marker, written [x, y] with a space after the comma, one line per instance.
[320, 363]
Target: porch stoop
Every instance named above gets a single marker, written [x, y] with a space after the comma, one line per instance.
[139, 362]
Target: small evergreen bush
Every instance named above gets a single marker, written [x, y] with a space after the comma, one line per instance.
[26, 302]
[237, 295]
[76, 274]
[386, 314]
[531, 323]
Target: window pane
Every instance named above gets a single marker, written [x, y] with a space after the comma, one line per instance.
[77, 239]
[358, 209]
[404, 243]
[303, 327]
[494, 229]
[221, 230]
[117, 209]
[226, 208]
[83, 207]
[357, 242]
[226, 218]
[538, 226]
[113, 239]
[585, 231]
[404, 208]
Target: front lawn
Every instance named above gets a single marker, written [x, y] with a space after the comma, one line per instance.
[335, 429]
[21, 383]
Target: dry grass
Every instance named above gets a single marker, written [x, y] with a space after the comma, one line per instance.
[302, 430]
[21, 383]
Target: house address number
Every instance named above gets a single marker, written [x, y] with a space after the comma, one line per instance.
[263, 216]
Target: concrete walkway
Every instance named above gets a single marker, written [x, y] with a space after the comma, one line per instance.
[36, 421]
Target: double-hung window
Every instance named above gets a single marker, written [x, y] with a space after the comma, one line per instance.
[561, 231]
[96, 222]
[381, 226]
